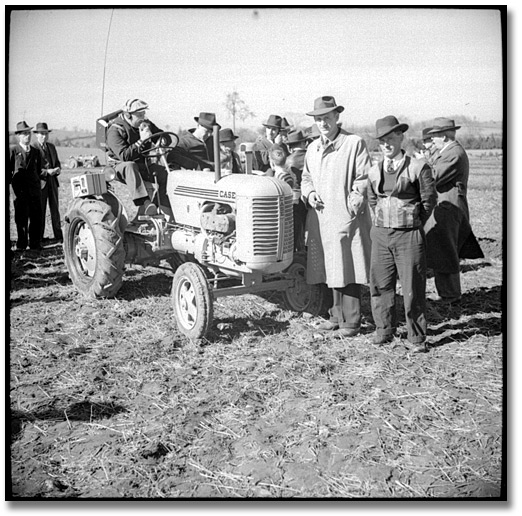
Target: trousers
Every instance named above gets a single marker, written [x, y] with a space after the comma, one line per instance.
[134, 176]
[346, 308]
[50, 196]
[28, 220]
[398, 253]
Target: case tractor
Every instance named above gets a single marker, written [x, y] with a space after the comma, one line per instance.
[223, 234]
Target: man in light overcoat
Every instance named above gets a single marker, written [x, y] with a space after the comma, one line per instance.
[334, 185]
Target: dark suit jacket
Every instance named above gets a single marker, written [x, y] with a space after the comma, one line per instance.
[49, 159]
[262, 148]
[25, 169]
[202, 152]
[122, 138]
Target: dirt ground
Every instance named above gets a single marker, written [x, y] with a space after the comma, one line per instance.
[108, 399]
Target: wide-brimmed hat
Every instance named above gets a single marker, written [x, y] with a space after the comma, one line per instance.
[387, 125]
[285, 126]
[442, 124]
[296, 137]
[425, 135]
[22, 127]
[134, 105]
[323, 105]
[41, 127]
[274, 121]
[227, 135]
[207, 120]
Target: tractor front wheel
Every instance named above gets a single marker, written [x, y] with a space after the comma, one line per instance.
[302, 297]
[192, 300]
[93, 248]
[72, 163]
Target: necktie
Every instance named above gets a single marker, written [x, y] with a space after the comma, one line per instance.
[391, 168]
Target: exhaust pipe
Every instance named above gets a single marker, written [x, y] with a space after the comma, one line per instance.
[217, 155]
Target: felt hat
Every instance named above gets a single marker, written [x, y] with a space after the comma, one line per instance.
[227, 135]
[425, 135]
[296, 137]
[323, 105]
[207, 120]
[274, 121]
[285, 126]
[134, 105]
[22, 127]
[387, 125]
[442, 124]
[41, 127]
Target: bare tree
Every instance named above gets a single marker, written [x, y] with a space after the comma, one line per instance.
[237, 108]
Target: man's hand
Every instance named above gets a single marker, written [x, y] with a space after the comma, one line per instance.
[145, 132]
[355, 202]
[315, 201]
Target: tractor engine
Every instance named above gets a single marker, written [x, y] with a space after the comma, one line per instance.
[238, 224]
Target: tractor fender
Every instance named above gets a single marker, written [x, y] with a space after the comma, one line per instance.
[116, 206]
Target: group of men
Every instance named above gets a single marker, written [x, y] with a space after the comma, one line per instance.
[365, 223]
[34, 171]
[387, 221]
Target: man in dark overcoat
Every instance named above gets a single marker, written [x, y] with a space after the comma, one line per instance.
[198, 142]
[25, 168]
[51, 169]
[448, 230]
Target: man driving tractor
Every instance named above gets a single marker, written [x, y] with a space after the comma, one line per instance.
[128, 140]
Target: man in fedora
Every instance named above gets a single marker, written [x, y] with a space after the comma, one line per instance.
[125, 136]
[334, 184]
[263, 144]
[51, 169]
[401, 195]
[198, 142]
[296, 143]
[448, 230]
[428, 152]
[229, 158]
[25, 169]
[282, 137]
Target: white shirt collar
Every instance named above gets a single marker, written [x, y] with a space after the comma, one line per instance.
[396, 160]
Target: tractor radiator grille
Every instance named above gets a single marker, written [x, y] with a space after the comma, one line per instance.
[272, 224]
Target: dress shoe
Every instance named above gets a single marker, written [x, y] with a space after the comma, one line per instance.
[379, 340]
[327, 325]
[347, 332]
[444, 300]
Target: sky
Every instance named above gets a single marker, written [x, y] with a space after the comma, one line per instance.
[69, 66]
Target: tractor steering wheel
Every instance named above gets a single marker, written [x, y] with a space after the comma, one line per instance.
[159, 146]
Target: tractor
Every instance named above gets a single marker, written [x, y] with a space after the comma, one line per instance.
[222, 235]
[91, 161]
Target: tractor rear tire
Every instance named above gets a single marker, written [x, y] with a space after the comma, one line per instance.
[93, 248]
[192, 301]
[302, 297]
[72, 163]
